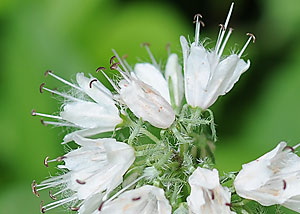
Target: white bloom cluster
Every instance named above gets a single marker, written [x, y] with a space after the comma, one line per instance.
[107, 176]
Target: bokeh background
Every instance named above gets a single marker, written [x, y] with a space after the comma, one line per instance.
[70, 36]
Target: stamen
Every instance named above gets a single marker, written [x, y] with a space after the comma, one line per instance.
[111, 82]
[42, 209]
[52, 196]
[136, 199]
[80, 182]
[126, 63]
[168, 48]
[290, 148]
[101, 205]
[251, 36]
[34, 113]
[225, 42]
[121, 62]
[62, 80]
[56, 204]
[228, 204]
[45, 123]
[91, 82]
[74, 208]
[46, 161]
[146, 45]
[111, 61]
[197, 30]
[41, 87]
[100, 68]
[34, 190]
[284, 184]
[212, 194]
[114, 66]
[223, 29]
[61, 94]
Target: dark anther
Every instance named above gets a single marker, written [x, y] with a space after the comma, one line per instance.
[42, 209]
[52, 196]
[46, 161]
[33, 111]
[284, 184]
[212, 195]
[101, 205]
[42, 122]
[33, 187]
[197, 16]
[111, 61]
[47, 72]
[94, 80]
[100, 68]
[289, 147]
[228, 204]
[136, 199]
[80, 182]
[114, 66]
[74, 208]
[41, 87]
[145, 44]
[252, 35]
[60, 158]
[168, 45]
[222, 27]
[125, 56]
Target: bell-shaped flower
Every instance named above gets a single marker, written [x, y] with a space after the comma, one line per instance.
[142, 99]
[152, 75]
[207, 194]
[96, 168]
[146, 199]
[272, 179]
[207, 74]
[91, 108]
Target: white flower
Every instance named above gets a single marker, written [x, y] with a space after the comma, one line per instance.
[272, 179]
[94, 169]
[151, 75]
[206, 74]
[143, 100]
[207, 194]
[92, 116]
[144, 200]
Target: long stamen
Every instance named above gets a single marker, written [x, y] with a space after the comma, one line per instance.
[111, 82]
[146, 45]
[251, 36]
[58, 93]
[58, 124]
[120, 60]
[225, 42]
[223, 28]
[34, 113]
[62, 80]
[126, 63]
[57, 204]
[197, 30]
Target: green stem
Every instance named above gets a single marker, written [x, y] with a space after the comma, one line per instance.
[135, 131]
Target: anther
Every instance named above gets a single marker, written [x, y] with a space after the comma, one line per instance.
[42, 209]
[284, 184]
[60, 158]
[41, 87]
[252, 36]
[43, 123]
[222, 27]
[52, 196]
[125, 56]
[47, 72]
[111, 61]
[197, 16]
[91, 82]
[33, 187]
[145, 44]
[212, 195]
[46, 161]
[100, 68]
[201, 22]
[74, 208]
[114, 66]
[289, 147]
[101, 205]
[80, 182]
[33, 112]
[136, 199]
[228, 204]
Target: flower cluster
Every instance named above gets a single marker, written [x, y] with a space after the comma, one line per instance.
[158, 157]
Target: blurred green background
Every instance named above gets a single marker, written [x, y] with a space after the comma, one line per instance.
[70, 36]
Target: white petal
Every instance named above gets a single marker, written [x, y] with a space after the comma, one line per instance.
[173, 71]
[90, 115]
[150, 75]
[91, 204]
[146, 103]
[97, 92]
[196, 74]
[185, 50]
[144, 200]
